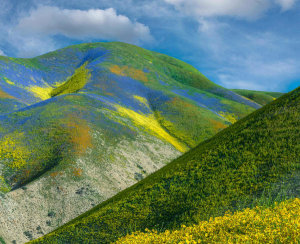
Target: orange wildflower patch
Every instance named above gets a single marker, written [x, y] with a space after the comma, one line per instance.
[129, 71]
[180, 102]
[217, 125]
[77, 171]
[80, 134]
[5, 95]
[118, 70]
[54, 174]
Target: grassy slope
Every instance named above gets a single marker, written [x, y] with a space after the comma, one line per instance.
[260, 97]
[86, 102]
[277, 224]
[180, 116]
[257, 156]
[76, 82]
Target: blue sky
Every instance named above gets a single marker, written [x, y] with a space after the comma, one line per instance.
[250, 44]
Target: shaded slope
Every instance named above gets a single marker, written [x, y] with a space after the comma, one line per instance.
[257, 156]
[260, 97]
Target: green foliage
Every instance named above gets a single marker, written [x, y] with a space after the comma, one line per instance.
[76, 82]
[259, 97]
[24, 157]
[1, 240]
[232, 170]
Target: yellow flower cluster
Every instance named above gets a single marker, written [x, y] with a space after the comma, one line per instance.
[278, 224]
[12, 152]
[230, 117]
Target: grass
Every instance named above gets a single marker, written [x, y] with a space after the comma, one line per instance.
[1, 240]
[230, 171]
[276, 224]
[260, 97]
[73, 84]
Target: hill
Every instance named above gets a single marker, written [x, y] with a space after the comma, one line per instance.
[80, 124]
[276, 224]
[253, 162]
[260, 97]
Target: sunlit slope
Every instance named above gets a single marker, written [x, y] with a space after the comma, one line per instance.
[80, 124]
[260, 97]
[276, 224]
[161, 95]
[254, 160]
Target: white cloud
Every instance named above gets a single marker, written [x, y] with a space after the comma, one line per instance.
[249, 9]
[253, 60]
[2, 53]
[32, 46]
[208, 8]
[286, 4]
[83, 24]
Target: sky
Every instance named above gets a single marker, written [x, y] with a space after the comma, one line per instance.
[246, 44]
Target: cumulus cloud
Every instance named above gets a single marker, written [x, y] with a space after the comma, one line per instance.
[2, 53]
[249, 9]
[83, 24]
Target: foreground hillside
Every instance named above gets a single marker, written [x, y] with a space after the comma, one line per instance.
[252, 162]
[80, 124]
[278, 224]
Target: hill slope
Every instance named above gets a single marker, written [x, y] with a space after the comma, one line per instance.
[260, 97]
[277, 224]
[256, 158]
[82, 123]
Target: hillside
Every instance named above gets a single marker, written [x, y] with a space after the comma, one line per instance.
[253, 162]
[260, 97]
[80, 124]
[277, 224]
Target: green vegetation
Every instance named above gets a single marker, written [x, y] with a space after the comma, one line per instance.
[1, 240]
[168, 68]
[278, 224]
[260, 97]
[25, 157]
[73, 84]
[245, 164]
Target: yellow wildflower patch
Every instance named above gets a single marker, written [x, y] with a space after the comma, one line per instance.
[228, 117]
[278, 224]
[149, 122]
[41, 92]
[9, 81]
[142, 100]
[12, 151]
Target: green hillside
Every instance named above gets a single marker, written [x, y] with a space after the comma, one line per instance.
[276, 224]
[253, 162]
[82, 123]
[260, 97]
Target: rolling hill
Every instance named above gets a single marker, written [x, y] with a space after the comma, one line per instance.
[260, 97]
[253, 162]
[80, 124]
